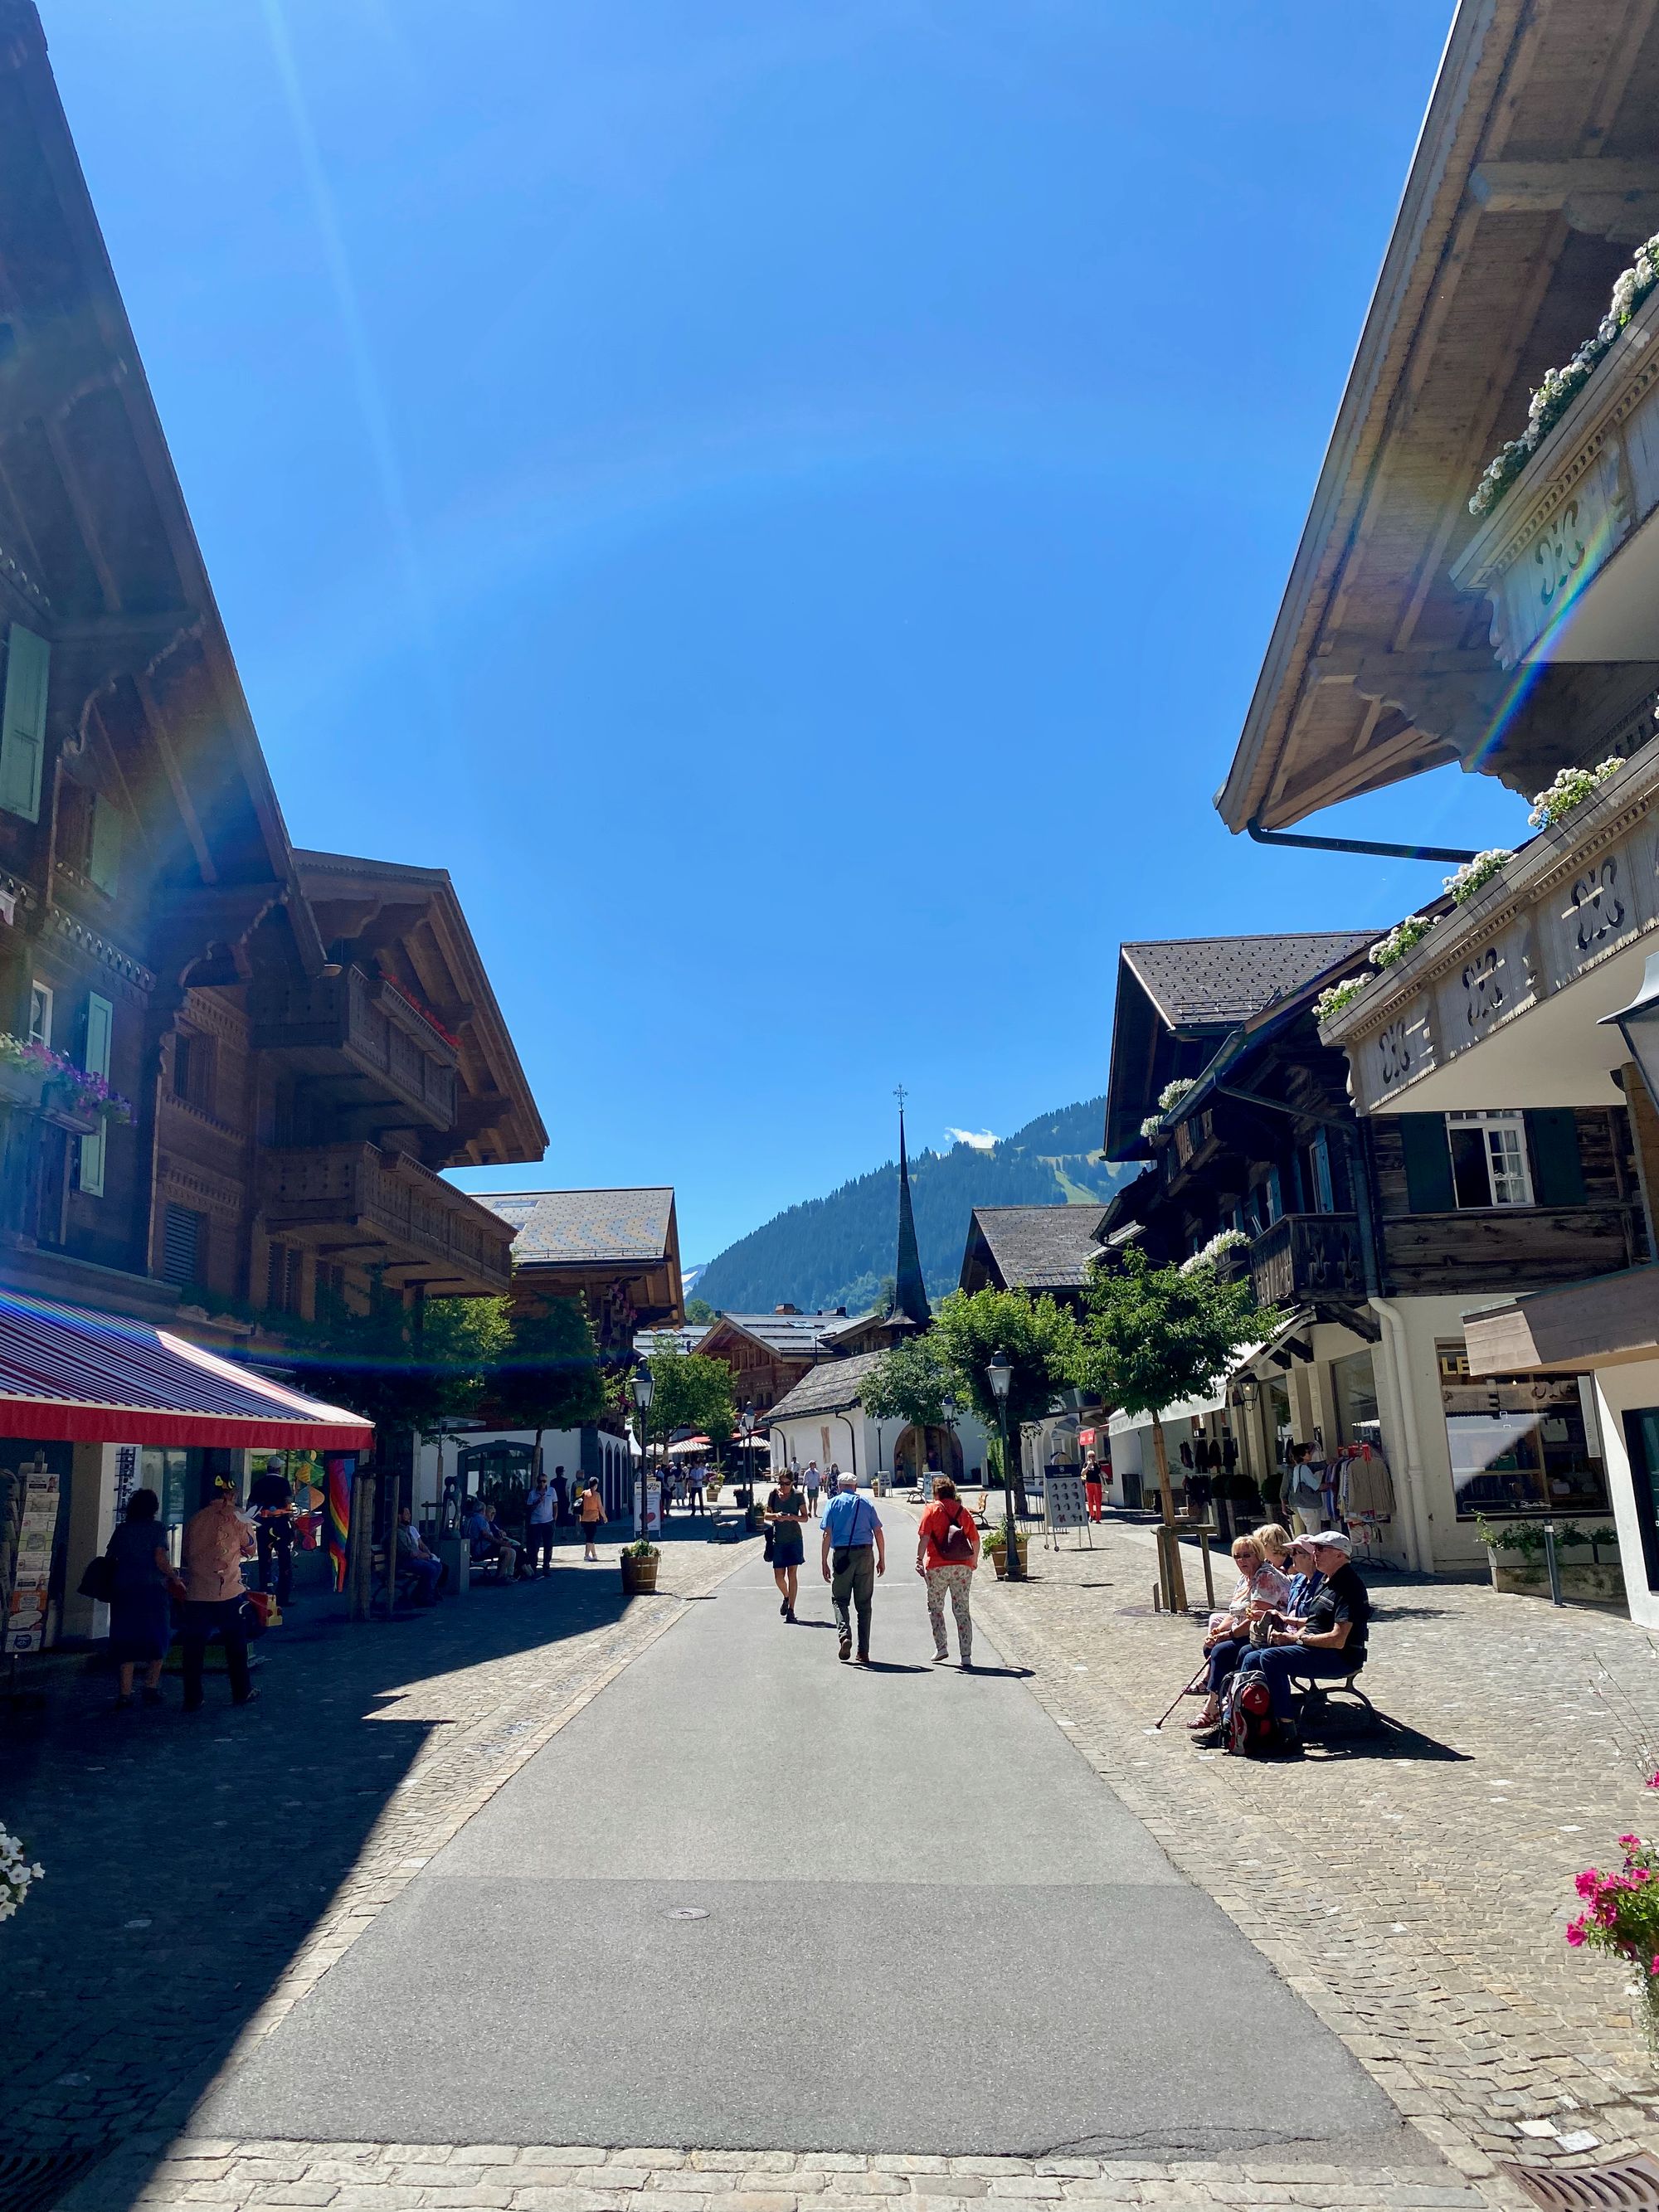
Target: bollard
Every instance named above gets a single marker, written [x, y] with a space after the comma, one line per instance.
[1553, 1563]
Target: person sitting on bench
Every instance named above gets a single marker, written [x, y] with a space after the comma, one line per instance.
[415, 1560]
[1262, 1591]
[1329, 1642]
[490, 1541]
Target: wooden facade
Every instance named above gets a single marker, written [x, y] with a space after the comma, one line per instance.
[304, 1038]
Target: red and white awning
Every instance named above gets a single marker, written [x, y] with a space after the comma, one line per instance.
[68, 1375]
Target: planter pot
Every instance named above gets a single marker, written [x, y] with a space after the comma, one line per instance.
[62, 1104]
[1590, 1580]
[21, 1087]
[638, 1577]
[1000, 1562]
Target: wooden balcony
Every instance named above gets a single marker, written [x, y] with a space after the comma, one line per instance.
[386, 1211]
[1308, 1256]
[357, 1025]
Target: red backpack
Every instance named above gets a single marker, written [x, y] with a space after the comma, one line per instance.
[954, 1544]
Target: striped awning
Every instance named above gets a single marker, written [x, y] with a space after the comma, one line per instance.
[71, 1375]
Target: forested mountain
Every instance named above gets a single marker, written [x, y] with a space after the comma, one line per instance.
[838, 1251]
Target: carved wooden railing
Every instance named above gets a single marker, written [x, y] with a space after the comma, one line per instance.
[417, 1215]
[382, 1032]
[1308, 1256]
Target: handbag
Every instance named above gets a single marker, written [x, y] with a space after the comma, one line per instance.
[771, 1540]
[99, 1581]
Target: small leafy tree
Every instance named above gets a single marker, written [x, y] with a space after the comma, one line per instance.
[401, 1368]
[910, 1382]
[1039, 1340]
[699, 1312]
[1151, 1336]
[546, 1375]
[690, 1391]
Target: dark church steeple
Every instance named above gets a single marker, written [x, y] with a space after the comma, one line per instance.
[910, 1289]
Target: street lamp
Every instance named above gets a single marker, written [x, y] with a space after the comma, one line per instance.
[1001, 1375]
[947, 1406]
[644, 1383]
[1638, 1023]
[746, 1424]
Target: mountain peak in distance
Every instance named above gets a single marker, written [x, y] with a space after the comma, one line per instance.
[838, 1251]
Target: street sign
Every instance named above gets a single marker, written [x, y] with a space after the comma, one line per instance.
[1064, 1506]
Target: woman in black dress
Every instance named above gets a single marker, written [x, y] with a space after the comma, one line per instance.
[141, 1600]
[786, 1509]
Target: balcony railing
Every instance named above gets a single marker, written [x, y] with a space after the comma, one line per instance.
[373, 1026]
[386, 1209]
[1308, 1256]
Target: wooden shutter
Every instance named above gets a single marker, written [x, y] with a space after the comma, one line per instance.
[23, 723]
[1557, 1173]
[1428, 1163]
[101, 1016]
[104, 845]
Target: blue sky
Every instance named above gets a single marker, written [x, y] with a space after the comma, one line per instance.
[784, 498]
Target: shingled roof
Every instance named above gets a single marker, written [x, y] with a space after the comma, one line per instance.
[1030, 1248]
[831, 1388]
[1211, 982]
[790, 1335]
[583, 1227]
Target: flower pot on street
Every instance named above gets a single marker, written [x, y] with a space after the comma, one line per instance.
[1591, 1581]
[1000, 1562]
[639, 1576]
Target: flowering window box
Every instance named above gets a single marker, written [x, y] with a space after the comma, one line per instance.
[20, 1088]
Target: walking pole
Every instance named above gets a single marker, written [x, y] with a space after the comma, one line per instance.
[1187, 1693]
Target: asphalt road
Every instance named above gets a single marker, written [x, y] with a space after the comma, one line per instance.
[753, 1898]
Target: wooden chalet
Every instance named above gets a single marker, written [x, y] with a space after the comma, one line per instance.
[769, 1353]
[299, 1042]
[618, 1251]
[1471, 587]
[1044, 1250]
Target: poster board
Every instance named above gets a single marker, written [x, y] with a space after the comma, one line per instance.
[26, 1610]
[1064, 1506]
[653, 1505]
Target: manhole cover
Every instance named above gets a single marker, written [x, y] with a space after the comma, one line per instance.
[696, 1912]
[1631, 2186]
[32, 2180]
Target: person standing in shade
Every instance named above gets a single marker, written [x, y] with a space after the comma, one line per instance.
[216, 1541]
[540, 1513]
[271, 1497]
[947, 1552]
[786, 1509]
[141, 1598]
[561, 1497]
[592, 1519]
[854, 1553]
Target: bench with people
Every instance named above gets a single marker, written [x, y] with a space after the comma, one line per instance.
[1294, 1632]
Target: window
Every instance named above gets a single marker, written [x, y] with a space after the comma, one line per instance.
[193, 1069]
[182, 1241]
[23, 722]
[40, 1014]
[282, 1264]
[1489, 1159]
[104, 835]
[1358, 1418]
[1523, 1444]
[1320, 1192]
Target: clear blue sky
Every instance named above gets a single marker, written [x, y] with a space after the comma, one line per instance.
[784, 498]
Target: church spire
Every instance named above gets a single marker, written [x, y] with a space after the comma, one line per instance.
[910, 1289]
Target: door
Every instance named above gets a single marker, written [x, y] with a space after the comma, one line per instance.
[1642, 1441]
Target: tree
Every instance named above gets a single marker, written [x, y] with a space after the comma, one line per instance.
[1151, 1336]
[403, 1368]
[910, 1382]
[547, 1373]
[699, 1312]
[692, 1392]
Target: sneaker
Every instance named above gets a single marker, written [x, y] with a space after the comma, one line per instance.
[939, 1658]
[845, 1649]
[1210, 1738]
[967, 1666]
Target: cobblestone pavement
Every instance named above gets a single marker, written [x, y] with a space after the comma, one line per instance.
[202, 1870]
[1411, 1884]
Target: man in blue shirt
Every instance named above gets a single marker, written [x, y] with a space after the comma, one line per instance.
[852, 1534]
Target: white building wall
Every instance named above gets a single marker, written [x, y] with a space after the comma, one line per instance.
[852, 1437]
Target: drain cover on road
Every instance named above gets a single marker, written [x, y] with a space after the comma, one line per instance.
[1631, 2186]
[30, 2180]
[696, 1912]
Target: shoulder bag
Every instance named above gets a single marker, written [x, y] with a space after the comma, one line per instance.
[954, 1547]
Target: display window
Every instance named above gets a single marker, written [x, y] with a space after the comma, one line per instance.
[1525, 1443]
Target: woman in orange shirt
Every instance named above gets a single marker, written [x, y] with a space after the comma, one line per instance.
[947, 1552]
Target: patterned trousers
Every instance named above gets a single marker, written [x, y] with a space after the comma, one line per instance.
[959, 1581]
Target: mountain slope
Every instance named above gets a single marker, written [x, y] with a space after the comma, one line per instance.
[838, 1251]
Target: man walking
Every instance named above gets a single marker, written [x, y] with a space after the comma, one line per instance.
[541, 1512]
[271, 1495]
[811, 1483]
[852, 1533]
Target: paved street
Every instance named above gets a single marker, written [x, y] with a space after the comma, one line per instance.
[965, 1937]
[908, 1875]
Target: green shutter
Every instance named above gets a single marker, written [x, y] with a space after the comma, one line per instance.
[23, 723]
[101, 1016]
[1557, 1173]
[104, 846]
[1428, 1163]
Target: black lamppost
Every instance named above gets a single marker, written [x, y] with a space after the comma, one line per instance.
[1638, 1023]
[1001, 1375]
[644, 1383]
[746, 1425]
[947, 1406]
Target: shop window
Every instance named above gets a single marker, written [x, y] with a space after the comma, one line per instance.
[1642, 1441]
[183, 1240]
[283, 1278]
[1358, 1420]
[1526, 1443]
[1489, 1159]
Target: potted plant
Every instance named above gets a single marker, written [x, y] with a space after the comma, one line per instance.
[640, 1562]
[1515, 1552]
[995, 1546]
[1621, 1916]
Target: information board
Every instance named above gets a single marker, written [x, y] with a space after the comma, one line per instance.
[1064, 1506]
[26, 1614]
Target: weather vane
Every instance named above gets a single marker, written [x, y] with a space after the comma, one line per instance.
[900, 1094]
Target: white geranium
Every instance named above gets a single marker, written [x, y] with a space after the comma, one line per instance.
[16, 1873]
[1330, 1002]
[1571, 788]
[1475, 874]
[1401, 939]
[1224, 1241]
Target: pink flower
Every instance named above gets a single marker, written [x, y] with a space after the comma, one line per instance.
[1588, 1883]
[1632, 1843]
[1653, 1781]
[1576, 1933]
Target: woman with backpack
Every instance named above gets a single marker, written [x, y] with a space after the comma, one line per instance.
[947, 1552]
